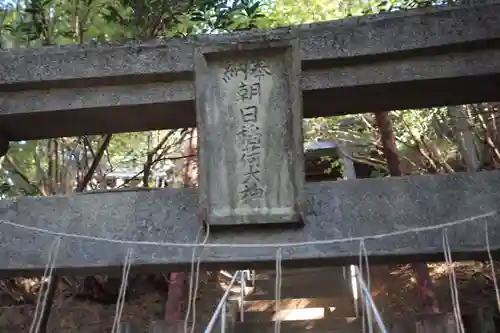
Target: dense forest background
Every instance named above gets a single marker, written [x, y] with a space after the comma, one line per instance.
[444, 139]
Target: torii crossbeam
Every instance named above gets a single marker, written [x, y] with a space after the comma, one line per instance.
[393, 61]
[410, 59]
[336, 210]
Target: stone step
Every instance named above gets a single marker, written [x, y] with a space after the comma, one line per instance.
[295, 283]
[336, 325]
[316, 273]
[298, 303]
[334, 273]
[299, 314]
[338, 306]
[265, 290]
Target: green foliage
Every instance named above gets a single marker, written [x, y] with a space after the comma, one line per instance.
[221, 16]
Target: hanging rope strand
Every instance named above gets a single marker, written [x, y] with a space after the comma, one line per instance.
[492, 264]
[277, 290]
[366, 312]
[197, 278]
[453, 283]
[194, 281]
[45, 287]
[120, 303]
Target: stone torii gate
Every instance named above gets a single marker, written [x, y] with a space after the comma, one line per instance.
[255, 82]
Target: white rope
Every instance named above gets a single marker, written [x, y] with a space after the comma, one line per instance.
[45, 287]
[492, 264]
[366, 312]
[256, 245]
[120, 302]
[197, 279]
[277, 290]
[194, 283]
[453, 283]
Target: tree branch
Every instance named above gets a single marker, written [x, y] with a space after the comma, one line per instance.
[95, 163]
[22, 175]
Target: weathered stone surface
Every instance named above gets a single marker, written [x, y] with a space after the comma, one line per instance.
[250, 134]
[336, 210]
[405, 31]
[97, 97]
[401, 60]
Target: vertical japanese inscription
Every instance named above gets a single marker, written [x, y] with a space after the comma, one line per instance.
[248, 78]
[249, 119]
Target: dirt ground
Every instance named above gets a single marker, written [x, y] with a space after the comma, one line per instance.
[393, 291]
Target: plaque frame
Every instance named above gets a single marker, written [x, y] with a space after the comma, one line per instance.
[283, 45]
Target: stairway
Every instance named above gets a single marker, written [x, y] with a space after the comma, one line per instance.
[316, 300]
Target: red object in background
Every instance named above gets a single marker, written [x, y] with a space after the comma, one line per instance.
[174, 302]
[173, 305]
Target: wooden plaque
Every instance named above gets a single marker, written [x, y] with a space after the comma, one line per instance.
[250, 144]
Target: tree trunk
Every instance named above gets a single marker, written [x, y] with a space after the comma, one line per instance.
[424, 283]
[173, 305]
[464, 137]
